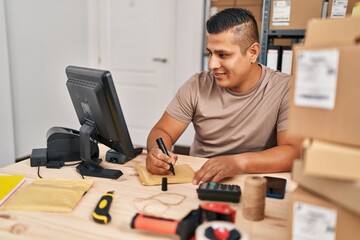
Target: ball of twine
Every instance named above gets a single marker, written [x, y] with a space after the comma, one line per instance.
[253, 199]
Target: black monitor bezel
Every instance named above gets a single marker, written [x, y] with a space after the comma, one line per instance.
[97, 106]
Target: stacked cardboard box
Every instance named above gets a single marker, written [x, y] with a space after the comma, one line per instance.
[313, 217]
[340, 8]
[325, 109]
[356, 10]
[342, 192]
[325, 93]
[331, 160]
[293, 14]
[254, 6]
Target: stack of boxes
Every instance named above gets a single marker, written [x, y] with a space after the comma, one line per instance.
[288, 18]
[325, 109]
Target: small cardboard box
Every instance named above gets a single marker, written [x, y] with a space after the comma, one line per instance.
[324, 97]
[312, 217]
[254, 6]
[293, 14]
[356, 10]
[340, 8]
[222, 3]
[331, 160]
[344, 193]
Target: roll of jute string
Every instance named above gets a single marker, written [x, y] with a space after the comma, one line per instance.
[253, 199]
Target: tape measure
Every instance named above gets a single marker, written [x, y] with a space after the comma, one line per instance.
[101, 212]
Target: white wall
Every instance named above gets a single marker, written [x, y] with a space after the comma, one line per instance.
[7, 147]
[188, 52]
[43, 37]
[189, 33]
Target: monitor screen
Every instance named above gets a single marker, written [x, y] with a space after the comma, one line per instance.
[98, 109]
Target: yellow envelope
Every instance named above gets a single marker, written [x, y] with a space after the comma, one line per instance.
[49, 195]
[183, 174]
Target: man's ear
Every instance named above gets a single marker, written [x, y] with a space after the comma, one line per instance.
[254, 51]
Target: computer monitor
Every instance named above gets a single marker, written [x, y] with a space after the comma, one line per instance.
[98, 109]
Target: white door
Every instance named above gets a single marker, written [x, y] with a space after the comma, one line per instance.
[137, 46]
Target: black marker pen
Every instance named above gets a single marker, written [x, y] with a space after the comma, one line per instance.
[161, 145]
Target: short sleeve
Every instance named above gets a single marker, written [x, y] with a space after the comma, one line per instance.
[183, 105]
[283, 115]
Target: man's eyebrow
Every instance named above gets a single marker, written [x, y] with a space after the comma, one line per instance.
[221, 51]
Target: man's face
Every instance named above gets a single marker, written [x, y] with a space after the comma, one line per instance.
[230, 67]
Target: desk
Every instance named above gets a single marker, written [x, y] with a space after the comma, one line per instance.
[79, 224]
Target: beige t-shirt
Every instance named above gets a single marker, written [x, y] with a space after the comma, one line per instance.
[228, 122]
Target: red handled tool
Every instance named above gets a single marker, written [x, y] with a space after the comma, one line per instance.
[187, 226]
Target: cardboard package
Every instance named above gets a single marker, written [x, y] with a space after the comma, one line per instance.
[293, 14]
[222, 2]
[331, 160]
[340, 8]
[254, 6]
[356, 10]
[344, 193]
[312, 217]
[324, 97]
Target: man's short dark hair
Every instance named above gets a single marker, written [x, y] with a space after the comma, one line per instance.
[242, 22]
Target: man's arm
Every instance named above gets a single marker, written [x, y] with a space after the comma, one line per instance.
[276, 159]
[169, 129]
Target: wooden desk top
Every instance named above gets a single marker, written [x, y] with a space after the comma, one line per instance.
[79, 224]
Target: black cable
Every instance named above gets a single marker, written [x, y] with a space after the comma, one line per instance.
[38, 171]
[93, 145]
[72, 164]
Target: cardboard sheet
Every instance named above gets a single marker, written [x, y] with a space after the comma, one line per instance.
[183, 174]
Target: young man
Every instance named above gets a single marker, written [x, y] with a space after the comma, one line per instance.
[239, 108]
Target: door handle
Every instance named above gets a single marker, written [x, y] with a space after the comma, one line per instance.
[163, 60]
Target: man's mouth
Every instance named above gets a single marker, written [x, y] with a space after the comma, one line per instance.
[219, 76]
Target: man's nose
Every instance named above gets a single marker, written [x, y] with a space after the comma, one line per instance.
[213, 62]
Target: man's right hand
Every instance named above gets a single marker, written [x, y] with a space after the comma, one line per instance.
[158, 163]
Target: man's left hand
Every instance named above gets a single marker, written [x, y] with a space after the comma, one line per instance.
[216, 169]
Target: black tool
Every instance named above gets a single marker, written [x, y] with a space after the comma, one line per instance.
[101, 212]
[164, 183]
[161, 145]
[219, 192]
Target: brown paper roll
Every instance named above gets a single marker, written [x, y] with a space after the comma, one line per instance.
[253, 199]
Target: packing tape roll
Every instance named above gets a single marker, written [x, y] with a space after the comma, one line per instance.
[219, 230]
[253, 199]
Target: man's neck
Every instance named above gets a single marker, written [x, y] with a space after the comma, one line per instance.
[253, 78]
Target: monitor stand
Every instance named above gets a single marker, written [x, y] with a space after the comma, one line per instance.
[86, 169]
[90, 166]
